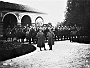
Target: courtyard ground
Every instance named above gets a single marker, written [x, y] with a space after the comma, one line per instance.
[65, 54]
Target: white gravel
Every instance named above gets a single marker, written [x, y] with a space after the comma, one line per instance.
[63, 55]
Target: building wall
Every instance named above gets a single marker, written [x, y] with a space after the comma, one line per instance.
[19, 17]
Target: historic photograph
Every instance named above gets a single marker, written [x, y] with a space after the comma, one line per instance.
[44, 34]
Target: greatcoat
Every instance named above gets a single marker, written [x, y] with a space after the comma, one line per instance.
[50, 36]
[41, 39]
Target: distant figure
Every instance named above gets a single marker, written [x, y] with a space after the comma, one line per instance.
[50, 36]
[41, 39]
[33, 34]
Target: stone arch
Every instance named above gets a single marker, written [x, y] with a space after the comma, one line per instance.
[39, 21]
[26, 20]
[9, 20]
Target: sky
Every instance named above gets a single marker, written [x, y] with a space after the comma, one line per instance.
[55, 9]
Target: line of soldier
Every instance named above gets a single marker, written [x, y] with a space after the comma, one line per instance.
[19, 32]
[32, 34]
[29, 32]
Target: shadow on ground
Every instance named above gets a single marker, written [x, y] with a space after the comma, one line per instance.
[10, 50]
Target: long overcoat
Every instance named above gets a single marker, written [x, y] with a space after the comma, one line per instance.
[50, 36]
[41, 39]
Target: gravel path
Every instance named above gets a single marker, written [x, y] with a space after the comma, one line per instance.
[63, 55]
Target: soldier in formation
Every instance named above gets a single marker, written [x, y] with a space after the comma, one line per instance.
[41, 39]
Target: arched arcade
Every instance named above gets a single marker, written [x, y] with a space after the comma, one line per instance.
[9, 20]
[26, 19]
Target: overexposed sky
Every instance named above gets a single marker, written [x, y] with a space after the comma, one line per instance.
[54, 8]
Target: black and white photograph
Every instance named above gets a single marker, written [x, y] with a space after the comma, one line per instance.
[44, 33]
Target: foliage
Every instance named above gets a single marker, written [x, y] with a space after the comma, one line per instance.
[77, 12]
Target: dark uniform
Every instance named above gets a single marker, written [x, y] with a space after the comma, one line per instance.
[41, 40]
[50, 36]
